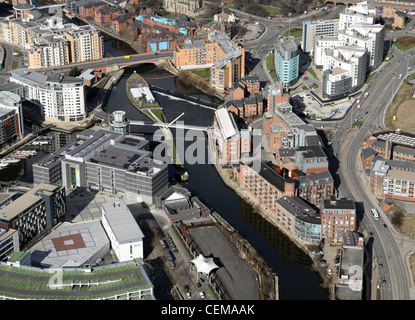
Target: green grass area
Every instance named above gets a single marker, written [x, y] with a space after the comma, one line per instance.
[203, 73]
[305, 88]
[272, 10]
[370, 77]
[405, 43]
[271, 66]
[357, 124]
[15, 65]
[102, 81]
[159, 113]
[296, 32]
[18, 53]
[313, 73]
[320, 16]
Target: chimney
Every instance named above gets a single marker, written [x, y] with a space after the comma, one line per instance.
[388, 146]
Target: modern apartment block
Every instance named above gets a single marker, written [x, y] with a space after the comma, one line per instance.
[86, 43]
[9, 242]
[246, 98]
[362, 12]
[391, 182]
[346, 58]
[337, 218]
[287, 61]
[344, 70]
[315, 29]
[11, 117]
[266, 185]
[50, 41]
[389, 159]
[39, 209]
[60, 98]
[314, 187]
[298, 219]
[225, 59]
[233, 145]
[284, 129]
[105, 160]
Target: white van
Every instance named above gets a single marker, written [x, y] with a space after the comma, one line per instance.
[400, 76]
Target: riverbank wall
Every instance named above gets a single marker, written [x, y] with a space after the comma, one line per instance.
[226, 176]
[189, 78]
[267, 278]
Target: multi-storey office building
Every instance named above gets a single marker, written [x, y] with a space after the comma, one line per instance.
[313, 30]
[337, 218]
[287, 61]
[106, 160]
[11, 117]
[60, 98]
[34, 212]
[123, 231]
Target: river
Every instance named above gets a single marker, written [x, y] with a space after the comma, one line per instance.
[297, 279]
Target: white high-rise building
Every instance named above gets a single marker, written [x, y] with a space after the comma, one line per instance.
[60, 97]
[347, 58]
[315, 29]
[363, 12]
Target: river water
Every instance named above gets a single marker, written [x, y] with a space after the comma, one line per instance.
[297, 280]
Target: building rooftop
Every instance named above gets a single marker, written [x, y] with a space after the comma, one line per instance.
[122, 222]
[226, 123]
[26, 201]
[317, 178]
[341, 204]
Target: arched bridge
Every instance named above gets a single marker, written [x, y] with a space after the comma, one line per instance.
[401, 5]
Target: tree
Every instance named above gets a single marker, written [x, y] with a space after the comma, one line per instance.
[74, 72]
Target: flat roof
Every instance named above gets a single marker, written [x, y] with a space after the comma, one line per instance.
[226, 123]
[71, 245]
[12, 210]
[122, 222]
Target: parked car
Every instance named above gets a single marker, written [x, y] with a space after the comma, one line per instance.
[202, 295]
[188, 295]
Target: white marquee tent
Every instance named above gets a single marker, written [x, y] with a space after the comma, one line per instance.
[204, 265]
